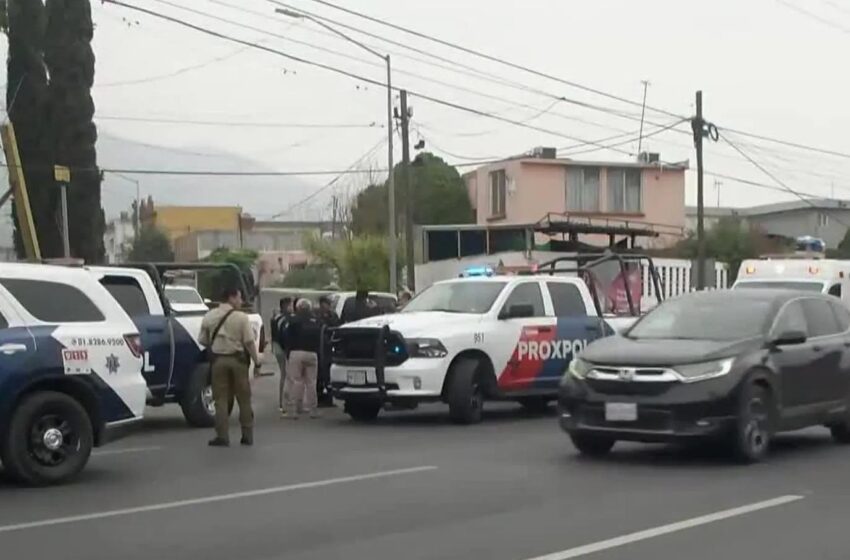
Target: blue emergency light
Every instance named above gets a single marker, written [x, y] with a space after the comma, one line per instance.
[810, 244]
[477, 271]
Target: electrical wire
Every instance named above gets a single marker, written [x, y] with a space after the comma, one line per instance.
[814, 16]
[246, 124]
[760, 167]
[489, 57]
[373, 63]
[330, 183]
[347, 73]
[631, 140]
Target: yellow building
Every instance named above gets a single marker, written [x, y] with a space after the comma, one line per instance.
[177, 221]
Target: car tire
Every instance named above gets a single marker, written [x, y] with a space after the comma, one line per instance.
[592, 445]
[750, 440]
[196, 399]
[363, 411]
[535, 405]
[49, 439]
[465, 394]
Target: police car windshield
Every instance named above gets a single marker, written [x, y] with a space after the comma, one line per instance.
[782, 285]
[704, 318]
[457, 297]
[182, 295]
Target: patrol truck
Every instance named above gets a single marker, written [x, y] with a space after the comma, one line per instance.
[467, 340]
[175, 367]
[70, 371]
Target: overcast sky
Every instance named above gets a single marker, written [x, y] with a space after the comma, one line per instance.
[764, 67]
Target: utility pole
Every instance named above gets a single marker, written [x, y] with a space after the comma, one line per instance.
[698, 127]
[391, 184]
[642, 115]
[717, 185]
[408, 190]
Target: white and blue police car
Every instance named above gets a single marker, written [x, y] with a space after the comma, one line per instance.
[70, 371]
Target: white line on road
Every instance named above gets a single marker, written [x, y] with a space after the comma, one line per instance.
[126, 450]
[666, 529]
[209, 499]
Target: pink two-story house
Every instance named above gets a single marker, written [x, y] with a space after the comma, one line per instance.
[524, 190]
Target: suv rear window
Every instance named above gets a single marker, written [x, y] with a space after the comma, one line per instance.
[566, 299]
[53, 302]
[127, 293]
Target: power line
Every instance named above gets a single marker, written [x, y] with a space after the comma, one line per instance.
[172, 74]
[488, 57]
[246, 124]
[347, 73]
[631, 140]
[331, 182]
[478, 92]
[814, 16]
[764, 170]
[203, 173]
[567, 82]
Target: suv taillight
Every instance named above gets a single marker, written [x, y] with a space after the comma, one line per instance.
[134, 342]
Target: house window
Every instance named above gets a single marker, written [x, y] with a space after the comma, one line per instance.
[624, 190]
[497, 193]
[823, 220]
[583, 189]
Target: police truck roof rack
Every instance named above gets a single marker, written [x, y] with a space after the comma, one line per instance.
[583, 263]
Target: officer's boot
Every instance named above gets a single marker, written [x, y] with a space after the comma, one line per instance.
[247, 436]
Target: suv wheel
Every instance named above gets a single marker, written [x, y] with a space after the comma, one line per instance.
[363, 411]
[196, 401]
[753, 428]
[592, 445]
[49, 441]
[465, 394]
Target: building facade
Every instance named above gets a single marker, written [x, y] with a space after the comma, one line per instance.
[826, 219]
[118, 238]
[525, 189]
[177, 221]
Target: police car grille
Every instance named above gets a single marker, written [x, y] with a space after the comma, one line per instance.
[360, 347]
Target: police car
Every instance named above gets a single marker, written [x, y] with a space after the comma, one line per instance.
[70, 370]
[176, 368]
[464, 341]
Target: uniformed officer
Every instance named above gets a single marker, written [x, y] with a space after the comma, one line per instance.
[328, 320]
[227, 334]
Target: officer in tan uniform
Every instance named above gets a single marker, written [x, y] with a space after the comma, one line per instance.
[226, 333]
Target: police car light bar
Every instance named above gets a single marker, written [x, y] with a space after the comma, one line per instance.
[477, 271]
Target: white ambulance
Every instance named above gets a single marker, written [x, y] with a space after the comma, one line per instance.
[805, 272]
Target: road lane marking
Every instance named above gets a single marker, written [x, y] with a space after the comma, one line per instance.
[210, 499]
[599, 546]
[125, 450]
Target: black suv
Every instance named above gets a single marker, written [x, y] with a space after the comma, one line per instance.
[733, 365]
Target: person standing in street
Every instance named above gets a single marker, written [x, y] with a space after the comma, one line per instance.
[278, 329]
[227, 334]
[328, 319]
[302, 347]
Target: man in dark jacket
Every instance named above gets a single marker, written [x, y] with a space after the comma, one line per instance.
[303, 335]
[328, 319]
[278, 332]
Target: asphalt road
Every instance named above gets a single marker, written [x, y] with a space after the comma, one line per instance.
[413, 486]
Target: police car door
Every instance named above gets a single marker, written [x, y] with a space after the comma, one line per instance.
[529, 328]
[17, 345]
[147, 313]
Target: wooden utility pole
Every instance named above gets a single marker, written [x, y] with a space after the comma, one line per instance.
[698, 127]
[18, 189]
[408, 192]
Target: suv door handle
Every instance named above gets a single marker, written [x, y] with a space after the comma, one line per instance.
[544, 329]
[13, 348]
[156, 329]
[817, 347]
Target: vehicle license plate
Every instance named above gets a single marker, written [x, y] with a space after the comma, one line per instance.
[620, 412]
[357, 377]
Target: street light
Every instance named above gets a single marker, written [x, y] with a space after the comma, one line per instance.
[391, 182]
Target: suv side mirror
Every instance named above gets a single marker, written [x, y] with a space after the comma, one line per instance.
[789, 338]
[518, 311]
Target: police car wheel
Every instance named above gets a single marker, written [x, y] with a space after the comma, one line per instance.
[49, 441]
[465, 394]
[196, 401]
[751, 438]
[592, 445]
